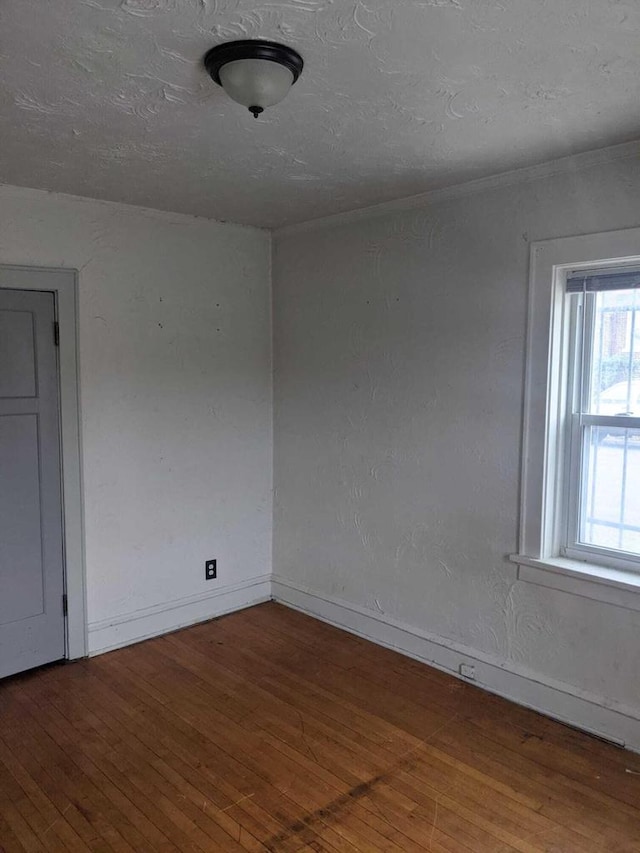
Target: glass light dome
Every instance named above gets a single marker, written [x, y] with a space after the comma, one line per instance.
[256, 83]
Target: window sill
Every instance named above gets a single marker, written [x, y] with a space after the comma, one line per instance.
[600, 583]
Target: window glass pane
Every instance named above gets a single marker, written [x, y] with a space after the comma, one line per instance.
[614, 374]
[610, 505]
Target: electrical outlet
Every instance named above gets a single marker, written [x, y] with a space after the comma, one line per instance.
[211, 570]
[466, 670]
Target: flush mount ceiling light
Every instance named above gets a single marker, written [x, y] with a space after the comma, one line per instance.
[254, 73]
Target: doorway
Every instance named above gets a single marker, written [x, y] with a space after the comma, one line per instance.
[32, 603]
[42, 612]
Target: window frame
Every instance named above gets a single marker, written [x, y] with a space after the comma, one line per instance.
[544, 516]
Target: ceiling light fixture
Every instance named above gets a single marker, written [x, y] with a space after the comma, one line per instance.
[254, 73]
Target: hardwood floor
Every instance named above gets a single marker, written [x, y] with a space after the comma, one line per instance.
[266, 730]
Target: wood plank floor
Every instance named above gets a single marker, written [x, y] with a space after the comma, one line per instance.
[266, 730]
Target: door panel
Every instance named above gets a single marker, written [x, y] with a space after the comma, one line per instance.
[21, 542]
[31, 560]
[17, 354]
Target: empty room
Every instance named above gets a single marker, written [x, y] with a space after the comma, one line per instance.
[319, 426]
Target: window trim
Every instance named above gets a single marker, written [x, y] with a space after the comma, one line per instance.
[543, 518]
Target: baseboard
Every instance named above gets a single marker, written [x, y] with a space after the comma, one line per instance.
[149, 622]
[589, 712]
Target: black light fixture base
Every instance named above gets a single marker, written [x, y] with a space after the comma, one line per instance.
[221, 54]
[256, 111]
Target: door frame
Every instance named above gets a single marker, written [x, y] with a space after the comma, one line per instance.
[63, 283]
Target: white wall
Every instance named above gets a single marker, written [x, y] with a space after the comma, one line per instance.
[399, 365]
[175, 357]
[398, 416]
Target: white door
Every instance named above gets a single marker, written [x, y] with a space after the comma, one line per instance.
[32, 622]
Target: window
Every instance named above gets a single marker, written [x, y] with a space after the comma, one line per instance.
[603, 415]
[580, 513]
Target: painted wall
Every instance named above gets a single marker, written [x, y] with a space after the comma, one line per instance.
[175, 358]
[399, 365]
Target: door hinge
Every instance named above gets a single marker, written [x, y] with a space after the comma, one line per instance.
[56, 334]
[65, 605]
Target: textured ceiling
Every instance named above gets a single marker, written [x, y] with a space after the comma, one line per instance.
[108, 98]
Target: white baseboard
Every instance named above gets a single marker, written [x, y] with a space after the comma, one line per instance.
[149, 622]
[586, 711]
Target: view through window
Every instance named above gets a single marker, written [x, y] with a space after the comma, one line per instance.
[607, 412]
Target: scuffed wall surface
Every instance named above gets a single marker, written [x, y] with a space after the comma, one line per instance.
[175, 361]
[399, 367]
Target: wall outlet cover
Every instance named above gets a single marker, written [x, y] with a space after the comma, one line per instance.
[467, 670]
